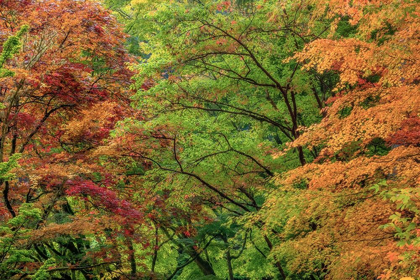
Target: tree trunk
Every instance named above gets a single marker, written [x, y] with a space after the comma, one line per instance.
[277, 263]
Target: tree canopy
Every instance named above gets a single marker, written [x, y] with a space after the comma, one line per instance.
[210, 139]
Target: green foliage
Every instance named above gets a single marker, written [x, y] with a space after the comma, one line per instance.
[11, 47]
[345, 112]
[403, 221]
[370, 102]
[378, 146]
[17, 229]
[220, 124]
[345, 29]
[42, 273]
[8, 166]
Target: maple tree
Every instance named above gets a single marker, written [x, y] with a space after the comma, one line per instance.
[360, 195]
[214, 108]
[256, 139]
[62, 63]
[216, 77]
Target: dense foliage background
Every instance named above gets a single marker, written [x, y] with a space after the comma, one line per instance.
[207, 139]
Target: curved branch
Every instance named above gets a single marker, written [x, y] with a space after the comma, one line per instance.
[198, 178]
[271, 174]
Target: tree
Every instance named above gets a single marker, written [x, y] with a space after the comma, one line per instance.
[223, 88]
[61, 62]
[355, 208]
[217, 98]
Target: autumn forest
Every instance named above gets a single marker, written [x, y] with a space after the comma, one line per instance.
[209, 139]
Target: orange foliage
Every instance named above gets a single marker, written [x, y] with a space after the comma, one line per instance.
[355, 209]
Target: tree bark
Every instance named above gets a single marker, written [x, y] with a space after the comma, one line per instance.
[277, 263]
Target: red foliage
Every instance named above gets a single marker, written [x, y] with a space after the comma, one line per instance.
[409, 134]
[102, 196]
